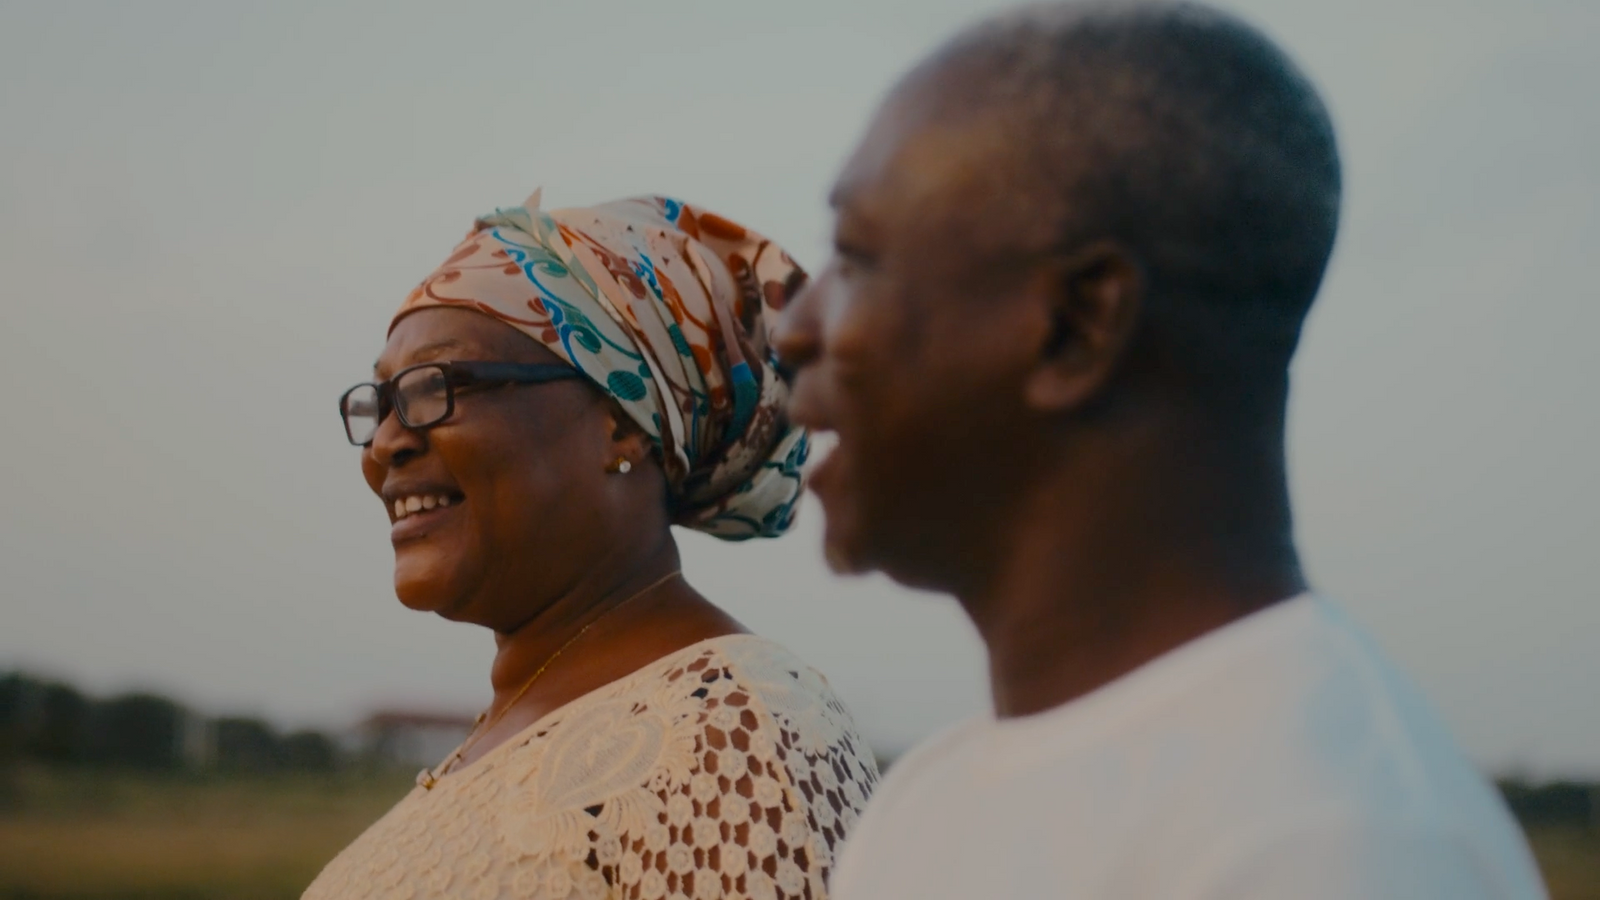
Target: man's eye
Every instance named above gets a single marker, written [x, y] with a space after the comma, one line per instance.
[850, 260]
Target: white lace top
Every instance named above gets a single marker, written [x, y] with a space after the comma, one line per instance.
[726, 770]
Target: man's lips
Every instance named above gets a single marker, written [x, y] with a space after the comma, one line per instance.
[823, 466]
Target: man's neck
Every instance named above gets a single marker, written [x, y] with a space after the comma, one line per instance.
[1164, 542]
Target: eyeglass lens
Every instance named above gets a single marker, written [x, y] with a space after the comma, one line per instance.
[421, 397]
[360, 409]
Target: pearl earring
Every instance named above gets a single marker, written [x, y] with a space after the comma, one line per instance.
[622, 466]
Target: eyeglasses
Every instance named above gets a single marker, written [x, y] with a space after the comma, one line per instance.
[425, 395]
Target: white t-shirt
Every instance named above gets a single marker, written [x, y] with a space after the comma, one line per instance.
[1279, 757]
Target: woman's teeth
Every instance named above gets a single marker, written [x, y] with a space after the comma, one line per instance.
[405, 506]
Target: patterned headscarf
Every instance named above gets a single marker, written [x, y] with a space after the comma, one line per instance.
[667, 308]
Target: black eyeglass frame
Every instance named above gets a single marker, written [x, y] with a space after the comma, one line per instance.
[456, 375]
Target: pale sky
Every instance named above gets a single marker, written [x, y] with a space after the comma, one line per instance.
[209, 210]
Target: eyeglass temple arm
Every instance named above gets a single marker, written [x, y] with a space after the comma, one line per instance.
[528, 373]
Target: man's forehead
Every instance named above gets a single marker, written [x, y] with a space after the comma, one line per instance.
[906, 153]
[919, 167]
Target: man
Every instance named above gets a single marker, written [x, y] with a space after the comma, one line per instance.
[1074, 253]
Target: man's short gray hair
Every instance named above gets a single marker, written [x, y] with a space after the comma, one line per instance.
[1173, 128]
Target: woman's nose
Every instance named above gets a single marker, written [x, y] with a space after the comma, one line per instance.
[393, 443]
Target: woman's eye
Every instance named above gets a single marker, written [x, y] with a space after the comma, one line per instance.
[477, 384]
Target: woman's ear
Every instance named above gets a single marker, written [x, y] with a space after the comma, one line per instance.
[626, 441]
[1093, 299]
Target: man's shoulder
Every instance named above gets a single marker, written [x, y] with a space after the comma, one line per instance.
[1359, 854]
[1314, 716]
[1317, 740]
[942, 749]
[1227, 764]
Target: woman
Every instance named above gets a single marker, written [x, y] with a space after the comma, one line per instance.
[565, 387]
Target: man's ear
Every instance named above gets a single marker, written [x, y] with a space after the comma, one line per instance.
[1093, 297]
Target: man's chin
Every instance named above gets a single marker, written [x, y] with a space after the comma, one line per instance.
[849, 553]
[844, 555]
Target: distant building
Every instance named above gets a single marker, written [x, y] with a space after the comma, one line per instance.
[410, 738]
[197, 742]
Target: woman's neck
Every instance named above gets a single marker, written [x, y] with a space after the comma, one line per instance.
[603, 602]
[551, 660]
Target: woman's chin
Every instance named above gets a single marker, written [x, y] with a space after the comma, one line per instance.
[431, 578]
[418, 591]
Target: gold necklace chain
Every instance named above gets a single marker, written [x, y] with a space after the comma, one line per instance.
[427, 778]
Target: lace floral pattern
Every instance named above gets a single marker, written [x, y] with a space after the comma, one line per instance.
[726, 770]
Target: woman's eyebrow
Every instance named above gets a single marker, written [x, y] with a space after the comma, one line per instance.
[430, 349]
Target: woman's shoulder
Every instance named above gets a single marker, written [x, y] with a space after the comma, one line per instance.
[731, 743]
[743, 685]
[796, 696]
[737, 717]
[785, 717]
[710, 669]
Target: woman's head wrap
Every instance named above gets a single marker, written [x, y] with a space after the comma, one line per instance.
[667, 309]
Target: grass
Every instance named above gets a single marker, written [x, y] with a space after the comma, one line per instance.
[78, 835]
[1569, 856]
[95, 836]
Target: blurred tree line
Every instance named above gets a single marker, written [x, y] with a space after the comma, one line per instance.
[1574, 803]
[51, 722]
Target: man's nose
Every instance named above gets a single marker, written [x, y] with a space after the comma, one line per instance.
[797, 339]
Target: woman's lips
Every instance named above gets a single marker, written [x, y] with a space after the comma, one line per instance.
[418, 524]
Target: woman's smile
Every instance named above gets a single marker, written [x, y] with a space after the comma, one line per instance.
[416, 525]
[414, 512]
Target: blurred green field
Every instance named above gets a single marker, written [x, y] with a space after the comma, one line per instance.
[89, 835]
[1570, 858]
